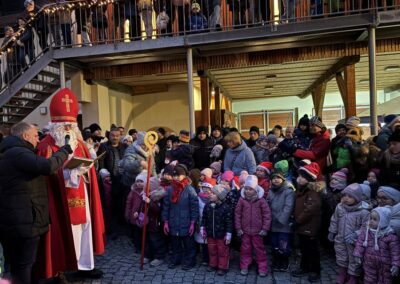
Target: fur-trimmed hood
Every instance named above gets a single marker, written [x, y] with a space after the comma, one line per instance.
[317, 186]
[259, 190]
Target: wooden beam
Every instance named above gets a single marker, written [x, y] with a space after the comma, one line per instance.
[205, 101]
[330, 73]
[149, 89]
[347, 89]
[350, 79]
[318, 96]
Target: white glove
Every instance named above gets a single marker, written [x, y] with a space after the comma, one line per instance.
[228, 238]
[83, 170]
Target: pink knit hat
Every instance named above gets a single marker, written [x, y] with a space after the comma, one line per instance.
[339, 179]
[216, 166]
[227, 176]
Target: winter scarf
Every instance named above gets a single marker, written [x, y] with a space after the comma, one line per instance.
[178, 187]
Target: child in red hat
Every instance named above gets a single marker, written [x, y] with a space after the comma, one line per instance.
[263, 171]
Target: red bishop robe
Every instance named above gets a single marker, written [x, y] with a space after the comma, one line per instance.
[56, 251]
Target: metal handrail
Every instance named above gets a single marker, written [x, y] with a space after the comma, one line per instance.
[92, 22]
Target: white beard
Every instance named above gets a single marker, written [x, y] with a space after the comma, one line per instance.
[57, 131]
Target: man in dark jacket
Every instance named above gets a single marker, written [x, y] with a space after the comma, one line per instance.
[24, 212]
[254, 135]
[202, 145]
[114, 152]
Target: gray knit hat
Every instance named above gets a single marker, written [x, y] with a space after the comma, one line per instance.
[315, 120]
[221, 191]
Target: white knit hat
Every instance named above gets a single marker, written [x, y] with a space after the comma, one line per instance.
[207, 172]
[251, 181]
[142, 176]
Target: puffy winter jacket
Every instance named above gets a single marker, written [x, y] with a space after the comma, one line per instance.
[240, 159]
[281, 201]
[347, 219]
[217, 220]
[252, 216]
[307, 212]
[318, 151]
[377, 263]
[130, 165]
[179, 215]
[134, 203]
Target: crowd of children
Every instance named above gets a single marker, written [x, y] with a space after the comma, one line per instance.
[283, 203]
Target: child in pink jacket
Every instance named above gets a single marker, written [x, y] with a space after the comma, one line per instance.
[134, 210]
[252, 223]
[378, 249]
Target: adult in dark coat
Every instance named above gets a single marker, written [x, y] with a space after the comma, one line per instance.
[202, 145]
[254, 135]
[24, 215]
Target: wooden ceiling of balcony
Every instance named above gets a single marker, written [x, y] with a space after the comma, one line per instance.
[275, 80]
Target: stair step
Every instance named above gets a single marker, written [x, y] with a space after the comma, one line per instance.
[14, 114]
[49, 74]
[54, 64]
[27, 99]
[40, 92]
[43, 83]
[16, 106]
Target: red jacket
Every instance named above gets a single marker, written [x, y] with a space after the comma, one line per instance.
[265, 184]
[318, 151]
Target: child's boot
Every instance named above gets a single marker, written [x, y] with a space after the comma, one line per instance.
[352, 279]
[284, 263]
[341, 277]
[276, 265]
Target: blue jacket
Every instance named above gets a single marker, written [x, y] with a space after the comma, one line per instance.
[198, 22]
[179, 215]
[240, 159]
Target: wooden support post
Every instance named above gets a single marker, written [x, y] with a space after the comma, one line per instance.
[347, 88]
[205, 101]
[318, 96]
[350, 78]
[217, 103]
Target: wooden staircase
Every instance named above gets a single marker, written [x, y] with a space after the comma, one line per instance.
[30, 89]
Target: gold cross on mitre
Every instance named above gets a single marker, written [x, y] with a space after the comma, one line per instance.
[67, 102]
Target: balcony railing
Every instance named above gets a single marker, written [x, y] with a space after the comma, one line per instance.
[86, 23]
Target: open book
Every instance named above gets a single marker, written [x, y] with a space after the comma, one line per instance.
[75, 162]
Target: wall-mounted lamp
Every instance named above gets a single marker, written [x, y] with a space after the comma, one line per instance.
[213, 91]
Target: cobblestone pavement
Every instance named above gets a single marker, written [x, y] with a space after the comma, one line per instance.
[121, 265]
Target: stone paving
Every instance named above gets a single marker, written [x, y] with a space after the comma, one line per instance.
[121, 265]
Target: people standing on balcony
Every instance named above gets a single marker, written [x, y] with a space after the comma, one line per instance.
[100, 22]
[132, 26]
[145, 7]
[215, 17]
[181, 10]
[81, 27]
[39, 24]
[25, 43]
[12, 65]
[65, 25]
